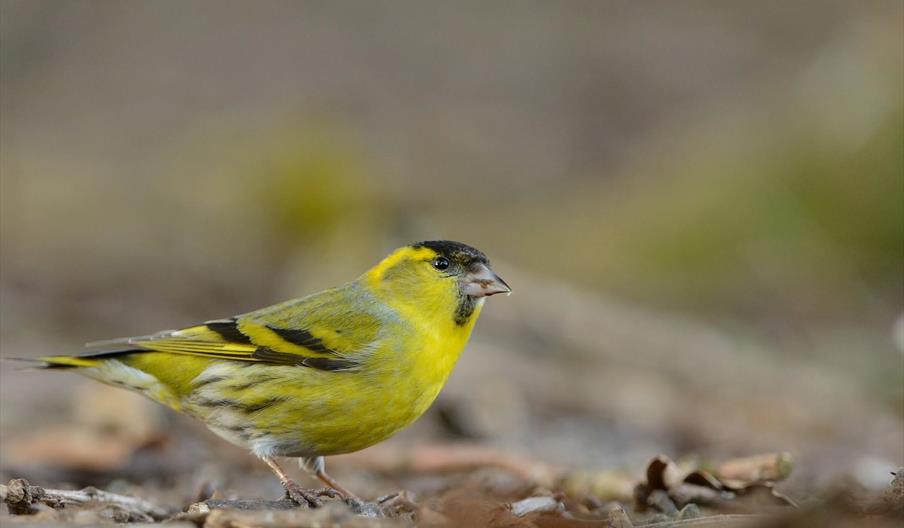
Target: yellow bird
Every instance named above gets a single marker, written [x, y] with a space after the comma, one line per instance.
[330, 373]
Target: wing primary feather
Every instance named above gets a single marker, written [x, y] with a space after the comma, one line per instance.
[302, 337]
[272, 356]
[228, 329]
[329, 364]
[117, 341]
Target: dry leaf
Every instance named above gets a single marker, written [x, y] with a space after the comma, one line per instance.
[667, 487]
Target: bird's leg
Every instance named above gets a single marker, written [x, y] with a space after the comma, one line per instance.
[317, 467]
[293, 490]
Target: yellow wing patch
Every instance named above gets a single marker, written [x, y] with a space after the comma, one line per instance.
[244, 341]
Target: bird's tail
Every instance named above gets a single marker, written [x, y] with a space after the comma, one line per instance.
[110, 367]
[68, 362]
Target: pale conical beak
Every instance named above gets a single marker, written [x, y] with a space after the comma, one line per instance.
[482, 282]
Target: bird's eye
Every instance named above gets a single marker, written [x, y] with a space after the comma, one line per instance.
[440, 263]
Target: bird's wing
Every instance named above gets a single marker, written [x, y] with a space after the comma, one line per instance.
[332, 330]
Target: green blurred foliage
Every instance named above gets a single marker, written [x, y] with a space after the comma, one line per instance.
[773, 193]
[307, 187]
[288, 197]
[776, 214]
[810, 224]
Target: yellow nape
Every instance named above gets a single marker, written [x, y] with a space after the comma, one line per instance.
[378, 272]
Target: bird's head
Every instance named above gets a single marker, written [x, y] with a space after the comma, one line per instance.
[437, 274]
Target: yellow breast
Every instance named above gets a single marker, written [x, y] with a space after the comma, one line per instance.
[401, 381]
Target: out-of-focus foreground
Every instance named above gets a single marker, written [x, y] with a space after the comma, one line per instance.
[698, 205]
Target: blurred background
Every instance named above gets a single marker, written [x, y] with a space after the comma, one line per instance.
[698, 205]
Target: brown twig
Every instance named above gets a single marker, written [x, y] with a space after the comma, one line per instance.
[21, 497]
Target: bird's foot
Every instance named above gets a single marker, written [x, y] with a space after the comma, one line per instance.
[309, 497]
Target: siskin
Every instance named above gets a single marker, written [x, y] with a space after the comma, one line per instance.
[330, 373]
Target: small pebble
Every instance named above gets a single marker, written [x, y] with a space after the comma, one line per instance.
[536, 504]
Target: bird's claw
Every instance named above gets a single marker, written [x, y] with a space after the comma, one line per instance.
[328, 492]
[310, 498]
